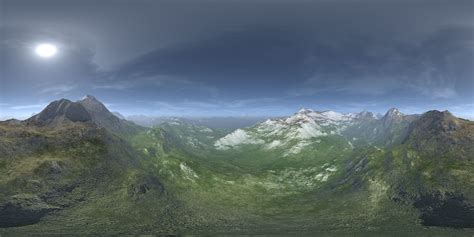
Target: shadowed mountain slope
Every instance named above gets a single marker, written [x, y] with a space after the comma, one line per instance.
[61, 111]
[76, 167]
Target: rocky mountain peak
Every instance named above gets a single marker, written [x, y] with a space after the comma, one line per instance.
[440, 120]
[364, 115]
[438, 113]
[89, 97]
[439, 126]
[61, 111]
[97, 109]
[92, 104]
[393, 112]
[304, 111]
[104, 118]
[393, 115]
[85, 110]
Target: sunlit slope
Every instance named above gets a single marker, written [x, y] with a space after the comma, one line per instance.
[379, 186]
[64, 175]
[67, 171]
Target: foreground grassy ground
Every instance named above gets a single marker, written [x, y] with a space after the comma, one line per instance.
[84, 180]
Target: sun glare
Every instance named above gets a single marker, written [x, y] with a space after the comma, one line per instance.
[46, 50]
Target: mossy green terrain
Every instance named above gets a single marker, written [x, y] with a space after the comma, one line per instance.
[78, 178]
[81, 178]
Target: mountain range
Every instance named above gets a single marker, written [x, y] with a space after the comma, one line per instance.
[223, 122]
[77, 167]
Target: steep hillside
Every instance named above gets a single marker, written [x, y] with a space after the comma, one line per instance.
[61, 111]
[90, 110]
[378, 175]
[430, 169]
[104, 118]
[75, 167]
[314, 137]
[61, 174]
[437, 157]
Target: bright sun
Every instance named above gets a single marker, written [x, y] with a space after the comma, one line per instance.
[46, 50]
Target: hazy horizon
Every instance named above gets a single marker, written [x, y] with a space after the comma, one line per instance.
[156, 114]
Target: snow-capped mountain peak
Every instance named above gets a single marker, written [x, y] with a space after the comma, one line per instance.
[363, 115]
[335, 116]
[394, 112]
[304, 111]
[297, 129]
[311, 115]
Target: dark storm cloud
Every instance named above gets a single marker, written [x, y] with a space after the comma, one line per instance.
[439, 66]
[244, 61]
[271, 56]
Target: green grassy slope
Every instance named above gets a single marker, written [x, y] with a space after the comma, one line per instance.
[172, 179]
[78, 178]
[329, 184]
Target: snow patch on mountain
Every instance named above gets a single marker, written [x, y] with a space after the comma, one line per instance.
[193, 142]
[273, 144]
[309, 130]
[335, 116]
[236, 138]
[271, 128]
[206, 130]
[297, 148]
[188, 172]
[323, 177]
[296, 132]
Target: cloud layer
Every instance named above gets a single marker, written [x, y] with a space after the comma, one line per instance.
[240, 57]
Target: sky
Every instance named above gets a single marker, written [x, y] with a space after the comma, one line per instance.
[239, 57]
